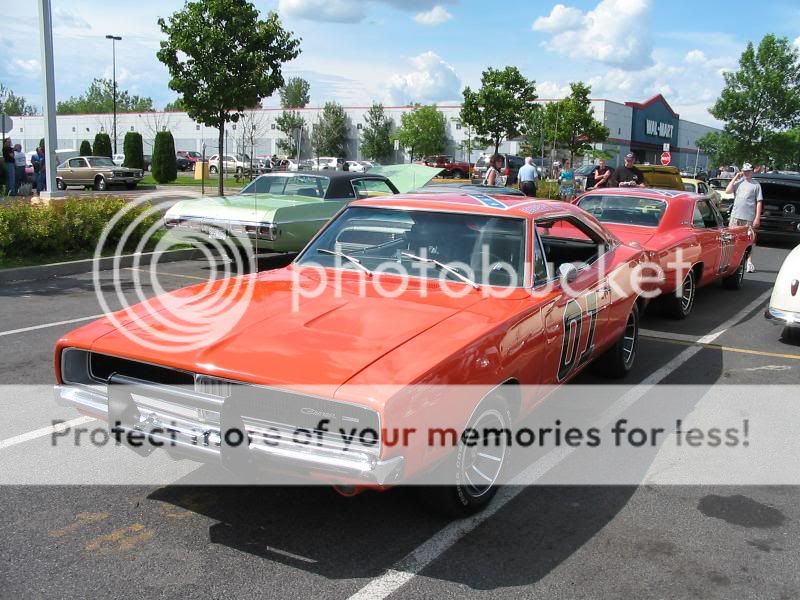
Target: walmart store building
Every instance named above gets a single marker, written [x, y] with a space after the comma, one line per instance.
[641, 128]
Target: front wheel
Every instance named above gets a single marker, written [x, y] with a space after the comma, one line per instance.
[468, 480]
[458, 174]
[734, 280]
[100, 184]
[618, 360]
[680, 303]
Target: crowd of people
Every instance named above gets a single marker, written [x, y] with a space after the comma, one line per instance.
[16, 176]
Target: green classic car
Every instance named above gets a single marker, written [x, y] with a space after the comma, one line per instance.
[279, 212]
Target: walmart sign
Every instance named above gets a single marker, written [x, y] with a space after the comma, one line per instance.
[658, 129]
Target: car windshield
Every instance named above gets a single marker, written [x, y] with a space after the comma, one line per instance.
[101, 162]
[485, 249]
[689, 187]
[194, 154]
[585, 170]
[718, 184]
[312, 186]
[624, 210]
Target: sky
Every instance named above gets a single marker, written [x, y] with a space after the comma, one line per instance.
[403, 51]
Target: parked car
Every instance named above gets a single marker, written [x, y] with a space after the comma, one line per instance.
[148, 160]
[510, 168]
[355, 166]
[468, 188]
[780, 216]
[457, 169]
[699, 186]
[230, 164]
[99, 172]
[371, 359]
[324, 163]
[370, 164]
[278, 211]
[661, 177]
[183, 163]
[118, 159]
[190, 155]
[784, 304]
[584, 177]
[718, 185]
[664, 223]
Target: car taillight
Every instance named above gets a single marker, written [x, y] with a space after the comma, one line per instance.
[506, 172]
[794, 287]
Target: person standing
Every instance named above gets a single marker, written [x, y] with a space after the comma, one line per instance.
[566, 181]
[602, 175]
[10, 167]
[38, 162]
[493, 176]
[748, 202]
[19, 165]
[527, 177]
[628, 175]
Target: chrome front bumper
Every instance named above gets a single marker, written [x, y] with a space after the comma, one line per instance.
[166, 423]
[782, 317]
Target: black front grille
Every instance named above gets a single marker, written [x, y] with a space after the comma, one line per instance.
[102, 367]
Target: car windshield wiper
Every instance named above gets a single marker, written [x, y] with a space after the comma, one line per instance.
[352, 259]
[442, 266]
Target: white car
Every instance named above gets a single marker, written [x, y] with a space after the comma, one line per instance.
[784, 306]
[328, 162]
[355, 166]
[230, 163]
[118, 159]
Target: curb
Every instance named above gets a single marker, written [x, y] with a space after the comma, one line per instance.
[75, 267]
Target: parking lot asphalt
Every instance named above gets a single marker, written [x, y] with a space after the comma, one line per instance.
[543, 541]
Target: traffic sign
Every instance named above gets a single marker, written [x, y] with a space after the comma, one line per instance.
[666, 158]
[665, 147]
[6, 122]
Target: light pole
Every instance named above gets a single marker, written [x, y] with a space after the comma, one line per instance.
[114, 39]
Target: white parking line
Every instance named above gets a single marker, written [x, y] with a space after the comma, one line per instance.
[46, 325]
[37, 433]
[424, 554]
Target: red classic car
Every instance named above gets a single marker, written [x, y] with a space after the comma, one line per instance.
[683, 233]
[504, 293]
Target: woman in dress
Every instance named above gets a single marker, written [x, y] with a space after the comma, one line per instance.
[566, 181]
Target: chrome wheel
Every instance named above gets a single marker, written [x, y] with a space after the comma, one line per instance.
[482, 463]
[630, 339]
[687, 293]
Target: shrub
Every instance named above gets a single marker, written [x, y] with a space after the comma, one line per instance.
[86, 148]
[133, 149]
[102, 145]
[163, 165]
[67, 227]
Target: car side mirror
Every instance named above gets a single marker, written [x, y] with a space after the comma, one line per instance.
[567, 273]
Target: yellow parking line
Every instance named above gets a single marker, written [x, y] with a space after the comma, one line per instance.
[723, 348]
[168, 273]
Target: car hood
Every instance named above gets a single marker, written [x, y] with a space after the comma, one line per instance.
[325, 342]
[241, 207]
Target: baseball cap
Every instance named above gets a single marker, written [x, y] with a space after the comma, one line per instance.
[629, 156]
[747, 167]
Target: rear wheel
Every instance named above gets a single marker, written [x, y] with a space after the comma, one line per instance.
[475, 466]
[620, 358]
[735, 279]
[212, 169]
[680, 304]
[457, 174]
[61, 185]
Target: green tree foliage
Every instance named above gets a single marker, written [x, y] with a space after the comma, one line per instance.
[422, 131]
[295, 94]
[376, 136]
[222, 58]
[134, 151]
[721, 147]
[576, 129]
[176, 105]
[496, 110]
[102, 145]
[14, 105]
[329, 136]
[99, 98]
[761, 97]
[533, 131]
[292, 125]
[164, 166]
[86, 148]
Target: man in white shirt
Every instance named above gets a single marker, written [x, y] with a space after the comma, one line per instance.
[747, 202]
[19, 162]
[527, 177]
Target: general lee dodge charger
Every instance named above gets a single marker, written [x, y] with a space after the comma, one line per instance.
[284, 366]
[674, 228]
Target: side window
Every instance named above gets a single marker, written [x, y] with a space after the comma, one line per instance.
[76, 163]
[540, 274]
[704, 217]
[701, 187]
[370, 188]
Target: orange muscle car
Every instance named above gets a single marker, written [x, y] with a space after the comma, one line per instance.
[409, 291]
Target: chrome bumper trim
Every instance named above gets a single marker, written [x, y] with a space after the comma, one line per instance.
[782, 317]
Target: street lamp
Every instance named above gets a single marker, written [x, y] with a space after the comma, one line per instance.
[114, 39]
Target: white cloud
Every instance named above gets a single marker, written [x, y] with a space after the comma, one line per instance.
[65, 18]
[435, 16]
[432, 80]
[616, 33]
[356, 11]
[551, 90]
[560, 18]
[695, 57]
[797, 41]
[30, 65]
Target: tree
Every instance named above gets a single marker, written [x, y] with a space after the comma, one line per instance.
[252, 126]
[761, 97]
[86, 148]
[14, 105]
[533, 131]
[163, 165]
[497, 108]
[176, 105]
[720, 147]
[376, 136]
[99, 98]
[292, 125]
[422, 131]
[577, 128]
[134, 152]
[295, 94]
[222, 58]
[102, 145]
[785, 150]
[329, 136]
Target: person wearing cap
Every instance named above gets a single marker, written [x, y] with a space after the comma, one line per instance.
[628, 175]
[748, 201]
